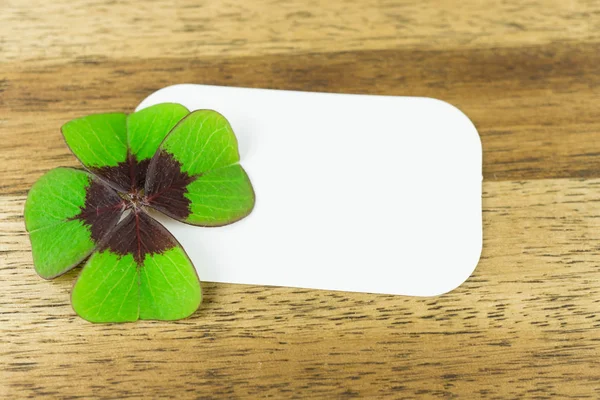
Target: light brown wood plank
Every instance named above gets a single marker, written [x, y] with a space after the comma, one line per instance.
[63, 31]
[524, 325]
[536, 108]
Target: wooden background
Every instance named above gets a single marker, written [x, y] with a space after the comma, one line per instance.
[525, 325]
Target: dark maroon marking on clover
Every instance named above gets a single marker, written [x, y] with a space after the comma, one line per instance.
[138, 234]
[166, 186]
[128, 176]
[102, 209]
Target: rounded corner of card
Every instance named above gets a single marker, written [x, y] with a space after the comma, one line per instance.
[460, 277]
[175, 93]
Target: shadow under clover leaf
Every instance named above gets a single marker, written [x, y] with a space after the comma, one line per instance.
[182, 164]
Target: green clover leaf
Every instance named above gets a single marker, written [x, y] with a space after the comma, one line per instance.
[182, 164]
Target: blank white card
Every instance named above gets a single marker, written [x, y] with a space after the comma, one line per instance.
[378, 194]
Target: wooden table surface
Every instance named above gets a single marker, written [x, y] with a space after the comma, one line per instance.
[525, 325]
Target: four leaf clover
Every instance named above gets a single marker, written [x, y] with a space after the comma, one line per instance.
[182, 164]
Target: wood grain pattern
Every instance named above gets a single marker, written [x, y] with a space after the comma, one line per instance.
[525, 325]
[60, 31]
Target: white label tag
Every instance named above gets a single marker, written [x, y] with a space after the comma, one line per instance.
[377, 194]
